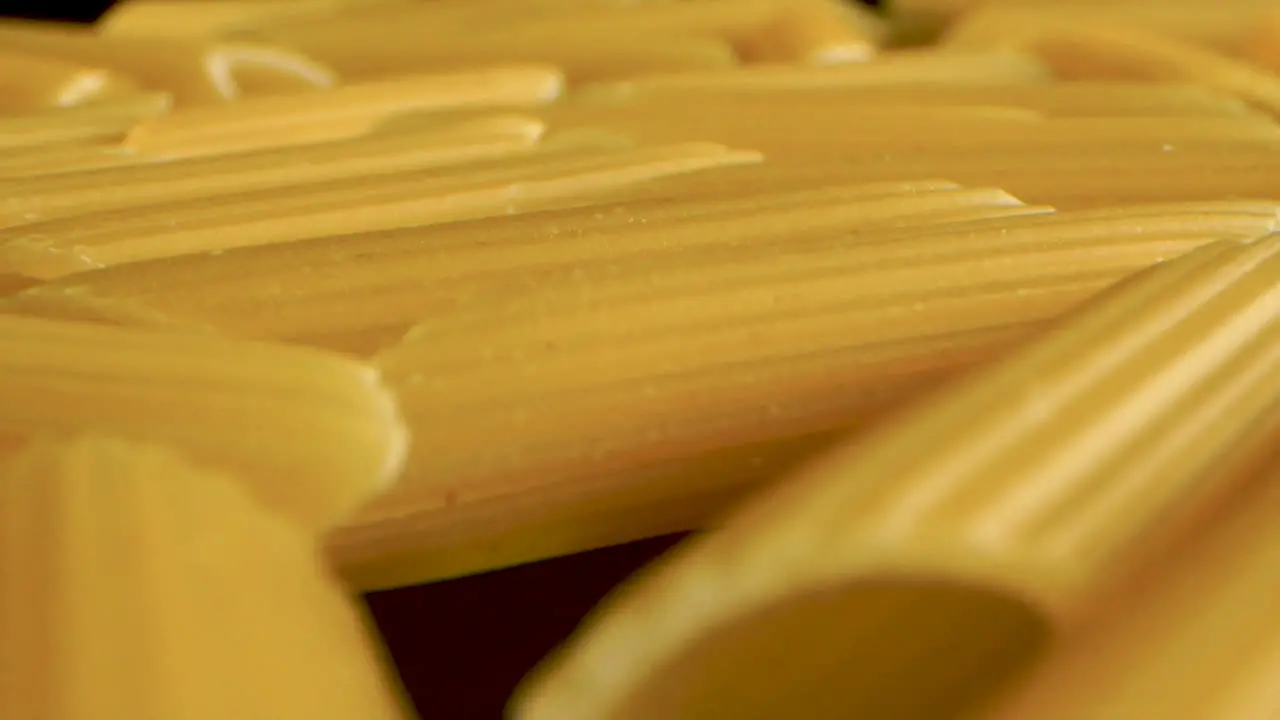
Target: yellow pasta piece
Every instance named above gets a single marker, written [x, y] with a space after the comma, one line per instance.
[913, 574]
[834, 122]
[532, 302]
[104, 121]
[593, 42]
[32, 80]
[404, 199]
[910, 67]
[712, 351]
[135, 584]
[361, 294]
[63, 158]
[836, 125]
[339, 113]
[313, 434]
[1222, 25]
[1085, 50]
[582, 57]
[192, 73]
[1192, 637]
[821, 32]
[1068, 177]
[1068, 99]
[205, 19]
[61, 195]
[364, 18]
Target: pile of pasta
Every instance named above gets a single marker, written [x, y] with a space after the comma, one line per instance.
[953, 325]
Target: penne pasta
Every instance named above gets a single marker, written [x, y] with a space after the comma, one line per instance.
[1067, 177]
[314, 435]
[1191, 638]
[554, 178]
[909, 67]
[34, 81]
[953, 328]
[127, 577]
[210, 19]
[583, 57]
[838, 127]
[709, 349]
[364, 18]
[1093, 51]
[1221, 26]
[1110, 100]
[596, 41]
[59, 158]
[76, 193]
[388, 281]
[341, 113]
[1046, 477]
[191, 73]
[105, 121]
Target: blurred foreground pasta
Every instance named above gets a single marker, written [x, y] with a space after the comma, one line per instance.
[139, 585]
[953, 324]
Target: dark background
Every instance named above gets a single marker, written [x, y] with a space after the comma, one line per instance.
[461, 646]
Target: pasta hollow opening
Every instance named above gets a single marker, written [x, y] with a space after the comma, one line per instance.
[901, 648]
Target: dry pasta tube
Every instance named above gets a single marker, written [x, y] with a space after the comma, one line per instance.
[1069, 178]
[405, 199]
[313, 434]
[360, 294]
[820, 32]
[102, 122]
[68, 194]
[208, 19]
[582, 57]
[63, 158]
[708, 350]
[192, 73]
[806, 31]
[583, 305]
[902, 67]
[1085, 50]
[405, 36]
[835, 120]
[1193, 637]
[1221, 26]
[364, 19]
[340, 113]
[835, 126]
[885, 581]
[1056, 100]
[506, 516]
[31, 81]
[134, 583]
